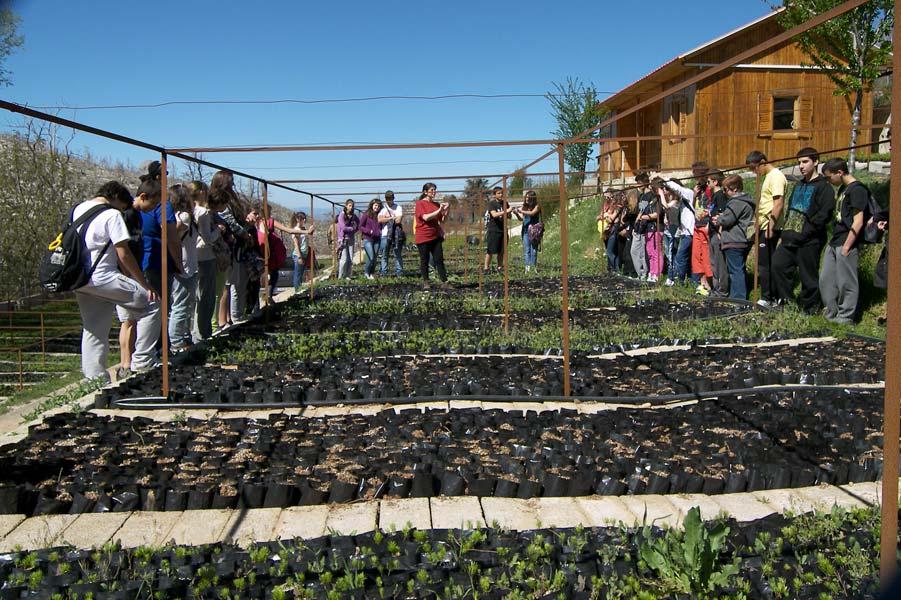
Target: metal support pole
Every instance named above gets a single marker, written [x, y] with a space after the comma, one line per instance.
[164, 293]
[43, 342]
[311, 253]
[757, 232]
[334, 247]
[564, 259]
[265, 215]
[505, 245]
[888, 542]
[483, 206]
[21, 372]
[467, 216]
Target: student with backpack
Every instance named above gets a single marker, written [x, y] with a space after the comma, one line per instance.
[839, 285]
[301, 250]
[532, 229]
[104, 235]
[736, 227]
[683, 198]
[213, 257]
[184, 284]
[810, 208]
[638, 249]
[720, 280]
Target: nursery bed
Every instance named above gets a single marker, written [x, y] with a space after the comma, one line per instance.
[699, 369]
[83, 463]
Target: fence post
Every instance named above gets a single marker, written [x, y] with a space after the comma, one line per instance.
[21, 372]
[505, 245]
[312, 253]
[564, 259]
[891, 410]
[164, 292]
[43, 343]
[266, 251]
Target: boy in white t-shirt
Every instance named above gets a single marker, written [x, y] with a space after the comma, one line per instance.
[108, 287]
[390, 218]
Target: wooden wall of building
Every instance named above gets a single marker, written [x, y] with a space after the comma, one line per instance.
[734, 106]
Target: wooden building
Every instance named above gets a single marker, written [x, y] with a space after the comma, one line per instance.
[757, 105]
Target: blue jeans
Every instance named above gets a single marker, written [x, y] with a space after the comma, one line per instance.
[372, 251]
[184, 300]
[683, 256]
[300, 267]
[613, 259]
[529, 252]
[669, 254]
[735, 262]
[398, 262]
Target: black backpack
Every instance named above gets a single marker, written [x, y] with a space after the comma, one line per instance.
[65, 265]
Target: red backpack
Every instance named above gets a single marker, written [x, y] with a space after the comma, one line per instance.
[277, 251]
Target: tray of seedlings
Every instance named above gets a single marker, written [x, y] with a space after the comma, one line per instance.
[493, 287]
[357, 318]
[90, 463]
[807, 556]
[651, 377]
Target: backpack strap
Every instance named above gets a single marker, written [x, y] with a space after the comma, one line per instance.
[85, 220]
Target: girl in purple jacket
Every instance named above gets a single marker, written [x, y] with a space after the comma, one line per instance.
[348, 224]
[371, 232]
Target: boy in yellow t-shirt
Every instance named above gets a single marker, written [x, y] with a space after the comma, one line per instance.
[769, 220]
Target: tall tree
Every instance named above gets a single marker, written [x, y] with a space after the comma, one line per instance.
[853, 49]
[474, 192]
[10, 41]
[519, 183]
[574, 105]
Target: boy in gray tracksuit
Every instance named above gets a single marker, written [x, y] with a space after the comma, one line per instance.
[736, 220]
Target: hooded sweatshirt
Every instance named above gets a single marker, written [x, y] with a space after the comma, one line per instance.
[810, 208]
[736, 219]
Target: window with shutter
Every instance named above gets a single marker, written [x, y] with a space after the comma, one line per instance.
[804, 115]
[784, 110]
[764, 115]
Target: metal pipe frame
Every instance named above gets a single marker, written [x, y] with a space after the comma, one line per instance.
[265, 215]
[892, 403]
[164, 293]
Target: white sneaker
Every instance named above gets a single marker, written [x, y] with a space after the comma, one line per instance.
[652, 279]
[669, 282]
[764, 303]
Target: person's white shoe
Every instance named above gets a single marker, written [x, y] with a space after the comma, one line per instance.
[669, 282]
[764, 303]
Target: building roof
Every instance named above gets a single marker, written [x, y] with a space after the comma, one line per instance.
[677, 66]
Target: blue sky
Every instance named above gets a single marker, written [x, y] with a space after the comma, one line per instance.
[100, 52]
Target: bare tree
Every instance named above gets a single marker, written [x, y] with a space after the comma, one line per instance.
[194, 171]
[40, 182]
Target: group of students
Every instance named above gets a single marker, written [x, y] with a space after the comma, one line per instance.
[381, 230]
[704, 234]
[215, 250]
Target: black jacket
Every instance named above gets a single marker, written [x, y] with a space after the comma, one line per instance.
[810, 209]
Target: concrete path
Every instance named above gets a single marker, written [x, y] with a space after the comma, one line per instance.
[243, 527]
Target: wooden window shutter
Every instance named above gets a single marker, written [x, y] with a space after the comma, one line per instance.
[764, 115]
[683, 115]
[804, 115]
